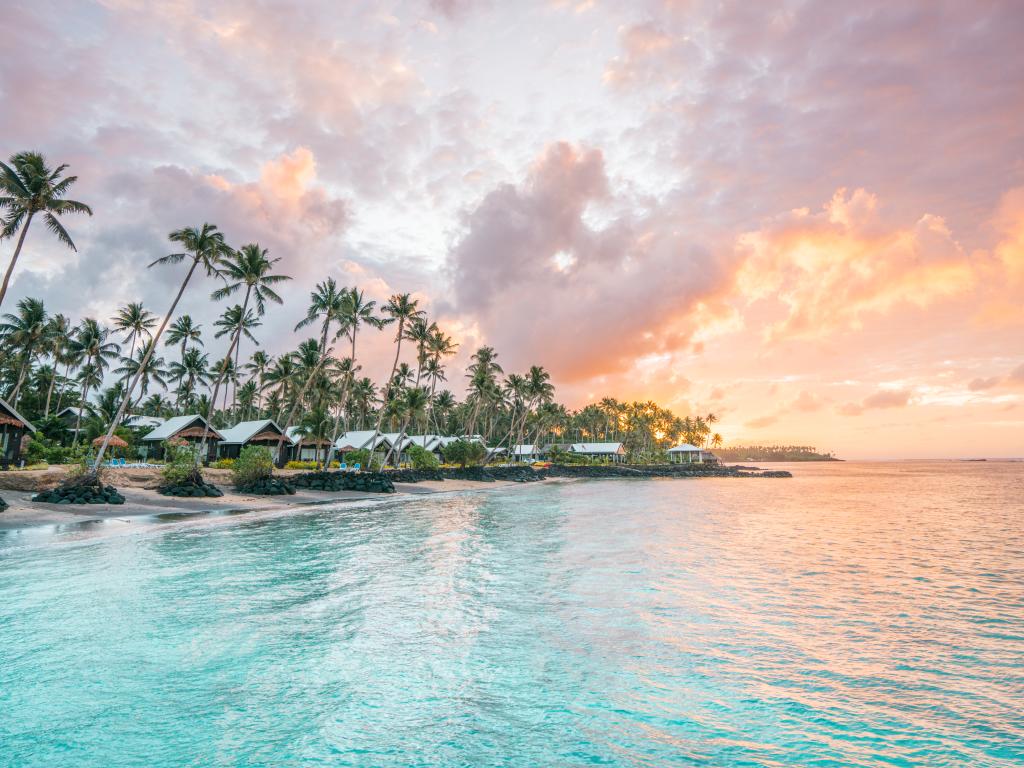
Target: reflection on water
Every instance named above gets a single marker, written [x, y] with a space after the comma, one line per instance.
[859, 614]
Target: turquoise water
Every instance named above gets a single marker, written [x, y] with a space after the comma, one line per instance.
[855, 615]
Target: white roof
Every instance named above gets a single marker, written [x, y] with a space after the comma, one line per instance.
[175, 424]
[429, 442]
[527, 449]
[684, 448]
[363, 438]
[10, 409]
[294, 435]
[244, 431]
[138, 421]
[596, 447]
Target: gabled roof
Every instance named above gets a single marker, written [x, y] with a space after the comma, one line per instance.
[307, 440]
[684, 448]
[72, 410]
[176, 424]
[8, 409]
[429, 442]
[138, 421]
[596, 447]
[527, 449]
[363, 438]
[244, 431]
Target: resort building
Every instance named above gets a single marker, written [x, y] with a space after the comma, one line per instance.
[136, 421]
[527, 452]
[612, 452]
[183, 429]
[70, 416]
[13, 429]
[307, 447]
[263, 432]
[684, 453]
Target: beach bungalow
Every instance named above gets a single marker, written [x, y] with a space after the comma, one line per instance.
[263, 432]
[13, 429]
[69, 415]
[364, 439]
[611, 452]
[188, 429]
[432, 443]
[526, 453]
[307, 447]
[138, 421]
[684, 453]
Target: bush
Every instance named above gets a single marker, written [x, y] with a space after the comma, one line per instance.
[421, 458]
[181, 466]
[223, 464]
[253, 466]
[559, 456]
[300, 465]
[464, 453]
[360, 457]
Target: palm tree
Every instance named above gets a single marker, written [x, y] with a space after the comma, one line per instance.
[183, 331]
[249, 268]
[361, 398]
[57, 343]
[190, 372]
[402, 309]
[26, 332]
[238, 322]
[28, 187]
[134, 321]
[326, 306]
[91, 345]
[257, 367]
[204, 246]
[483, 385]
[412, 407]
[154, 370]
[356, 311]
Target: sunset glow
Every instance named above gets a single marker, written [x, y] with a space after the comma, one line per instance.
[808, 220]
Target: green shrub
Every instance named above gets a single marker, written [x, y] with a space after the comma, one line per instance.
[254, 464]
[181, 466]
[464, 453]
[360, 457]
[421, 458]
[559, 456]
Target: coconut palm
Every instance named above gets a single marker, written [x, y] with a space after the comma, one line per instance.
[184, 331]
[257, 368]
[154, 370]
[237, 321]
[191, 372]
[483, 385]
[92, 346]
[205, 247]
[136, 322]
[57, 343]
[411, 407]
[26, 332]
[401, 309]
[28, 187]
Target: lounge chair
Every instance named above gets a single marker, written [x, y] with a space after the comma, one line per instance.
[356, 467]
[343, 466]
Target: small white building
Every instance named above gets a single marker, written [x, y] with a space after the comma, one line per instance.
[684, 453]
[528, 453]
[613, 452]
[306, 447]
[263, 432]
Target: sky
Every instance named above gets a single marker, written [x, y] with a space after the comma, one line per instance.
[806, 217]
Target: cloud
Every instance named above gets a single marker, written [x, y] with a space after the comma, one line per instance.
[762, 422]
[1017, 375]
[887, 398]
[806, 402]
[547, 284]
[979, 384]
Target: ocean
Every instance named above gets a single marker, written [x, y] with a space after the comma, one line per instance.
[858, 614]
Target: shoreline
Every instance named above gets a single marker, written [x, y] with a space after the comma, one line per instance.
[142, 501]
[22, 513]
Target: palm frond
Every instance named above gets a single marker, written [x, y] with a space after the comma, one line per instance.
[58, 229]
[171, 258]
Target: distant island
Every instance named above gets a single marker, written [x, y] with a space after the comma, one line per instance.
[773, 453]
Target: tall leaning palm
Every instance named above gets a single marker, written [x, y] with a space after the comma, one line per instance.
[205, 247]
[28, 187]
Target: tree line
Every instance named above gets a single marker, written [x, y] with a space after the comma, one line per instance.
[143, 363]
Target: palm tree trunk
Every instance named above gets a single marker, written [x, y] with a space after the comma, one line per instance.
[60, 392]
[49, 390]
[220, 377]
[81, 406]
[14, 258]
[387, 391]
[142, 367]
[21, 379]
[344, 397]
